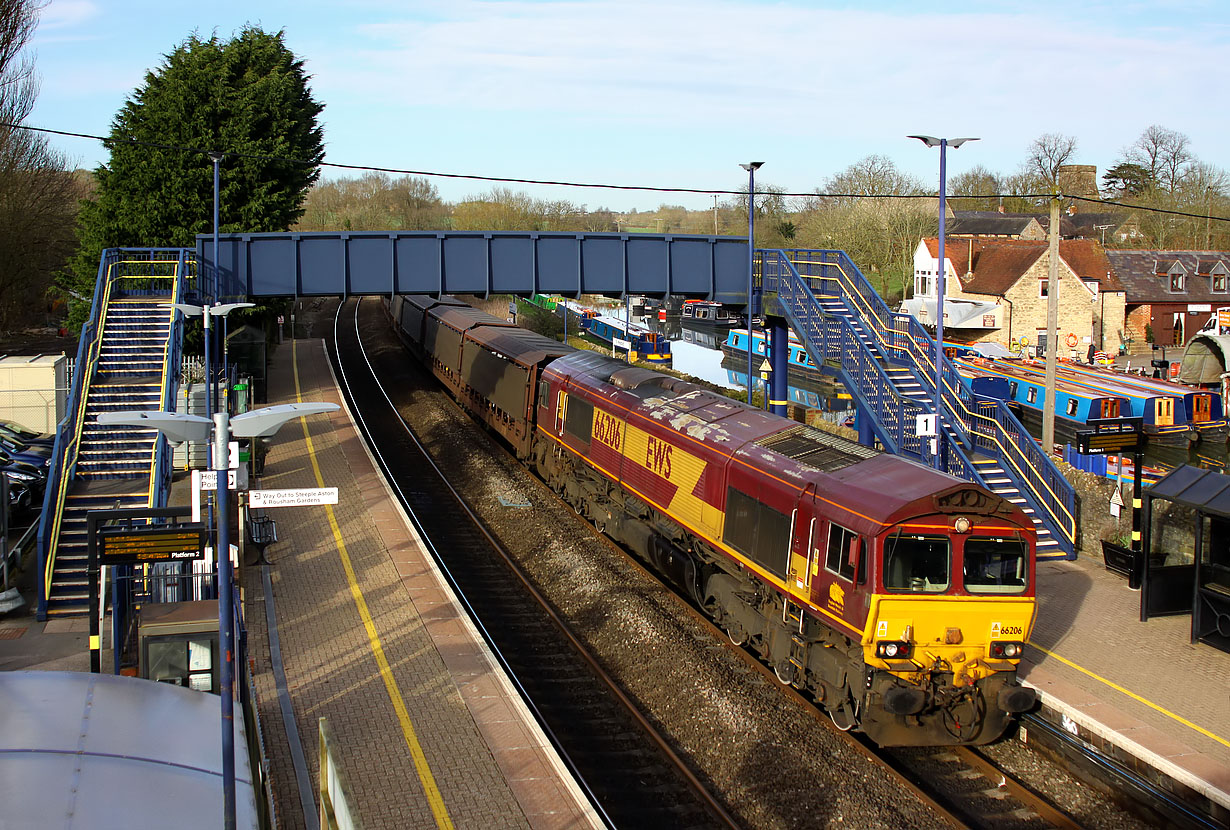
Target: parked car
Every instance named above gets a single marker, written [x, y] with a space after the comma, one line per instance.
[37, 454]
[22, 493]
[24, 435]
[31, 476]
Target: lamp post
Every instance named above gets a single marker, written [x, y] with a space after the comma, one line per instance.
[751, 167]
[216, 158]
[943, 144]
[178, 427]
[206, 312]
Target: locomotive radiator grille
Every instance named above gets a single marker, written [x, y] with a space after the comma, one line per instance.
[816, 449]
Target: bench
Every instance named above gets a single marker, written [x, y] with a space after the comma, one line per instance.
[262, 532]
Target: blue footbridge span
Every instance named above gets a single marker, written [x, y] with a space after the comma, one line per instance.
[129, 353]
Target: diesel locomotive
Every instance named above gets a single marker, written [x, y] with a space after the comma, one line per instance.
[898, 597]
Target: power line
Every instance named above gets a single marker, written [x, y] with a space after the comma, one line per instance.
[109, 141]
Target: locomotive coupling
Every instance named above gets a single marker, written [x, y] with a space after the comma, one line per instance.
[1017, 699]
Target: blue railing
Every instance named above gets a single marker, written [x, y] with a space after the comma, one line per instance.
[977, 423]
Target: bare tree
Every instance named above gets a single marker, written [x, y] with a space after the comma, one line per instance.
[1047, 153]
[1165, 153]
[38, 195]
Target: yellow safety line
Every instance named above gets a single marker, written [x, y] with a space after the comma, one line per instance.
[1133, 696]
[434, 799]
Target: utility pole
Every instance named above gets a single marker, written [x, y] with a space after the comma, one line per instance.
[1052, 331]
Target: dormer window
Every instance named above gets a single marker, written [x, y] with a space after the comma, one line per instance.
[1176, 281]
[1219, 283]
[1217, 275]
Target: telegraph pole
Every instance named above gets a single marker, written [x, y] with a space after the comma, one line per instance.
[1052, 331]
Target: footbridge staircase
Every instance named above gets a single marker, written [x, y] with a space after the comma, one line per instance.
[128, 359]
[886, 360]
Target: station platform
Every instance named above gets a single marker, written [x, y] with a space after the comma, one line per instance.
[1142, 691]
[429, 731]
[431, 734]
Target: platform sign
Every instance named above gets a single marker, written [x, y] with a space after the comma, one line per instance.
[292, 498]
[1111, 435]
[143, 545]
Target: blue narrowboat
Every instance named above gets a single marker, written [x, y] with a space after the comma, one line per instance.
[799, 360]
[1075, 404]
[1200, 411]
[645, 344]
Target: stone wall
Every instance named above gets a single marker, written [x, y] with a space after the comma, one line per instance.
[1029, 309]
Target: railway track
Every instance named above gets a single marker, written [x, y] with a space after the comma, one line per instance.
[960, 792]
[613, 750]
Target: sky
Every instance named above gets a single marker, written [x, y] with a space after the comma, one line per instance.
[678, 93]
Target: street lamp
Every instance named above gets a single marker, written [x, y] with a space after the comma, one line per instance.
[178, 427]
[216, 158]
[751, 167]
[208, 311]
[943, 144]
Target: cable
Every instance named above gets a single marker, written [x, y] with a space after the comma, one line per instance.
[594, 185]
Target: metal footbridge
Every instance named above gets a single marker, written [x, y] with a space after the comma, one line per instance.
[129, 352]
[886, 361]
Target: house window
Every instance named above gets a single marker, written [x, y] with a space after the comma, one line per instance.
[1092, 285]
[1219, 282]
[1176, 281]
[1042, 288]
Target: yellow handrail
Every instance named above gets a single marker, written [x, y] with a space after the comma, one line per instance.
[84, 374]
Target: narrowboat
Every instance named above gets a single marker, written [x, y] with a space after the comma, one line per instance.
[1202, 410]
[645, 344]
[735, 347]
[1075, 404]
[708, 313]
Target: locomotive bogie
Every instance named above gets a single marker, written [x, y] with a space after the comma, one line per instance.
[895, 595]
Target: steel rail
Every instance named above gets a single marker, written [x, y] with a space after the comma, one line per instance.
[655, 736]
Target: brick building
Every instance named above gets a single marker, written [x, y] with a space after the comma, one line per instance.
[996, 291]
[1170, 294]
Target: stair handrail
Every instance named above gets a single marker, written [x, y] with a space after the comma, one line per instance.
[988, 424]
[834, 342]
[160, 470]
[68, 432]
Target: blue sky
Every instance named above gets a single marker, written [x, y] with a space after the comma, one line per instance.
[675, 93]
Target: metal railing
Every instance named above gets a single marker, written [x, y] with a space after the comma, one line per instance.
[119, 271]
[975, 422]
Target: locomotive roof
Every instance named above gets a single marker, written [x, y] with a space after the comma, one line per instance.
[877, 488]
[520, 345]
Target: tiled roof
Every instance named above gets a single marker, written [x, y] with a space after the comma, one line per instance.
[993, 225]
[999, 263]
[1145, 275]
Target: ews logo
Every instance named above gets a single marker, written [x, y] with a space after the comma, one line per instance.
[658, 456]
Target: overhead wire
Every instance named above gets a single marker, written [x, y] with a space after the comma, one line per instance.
[110, 141]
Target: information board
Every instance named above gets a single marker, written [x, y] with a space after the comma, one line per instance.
[133, 545]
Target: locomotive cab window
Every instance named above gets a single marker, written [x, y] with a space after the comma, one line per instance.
[916, 563]
[845, 552]
[995, 565]
[579, 420]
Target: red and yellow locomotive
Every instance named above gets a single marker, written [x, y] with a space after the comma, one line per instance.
[898, 596]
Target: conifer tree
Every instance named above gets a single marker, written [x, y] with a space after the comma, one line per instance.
[247, 97]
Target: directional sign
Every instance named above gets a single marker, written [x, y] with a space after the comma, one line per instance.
[1100, 443]
[209, 479]
[155, 544]
[292, 498]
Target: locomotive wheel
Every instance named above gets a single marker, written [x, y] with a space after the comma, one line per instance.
[737, 634]
[842, 717]
[786, 672]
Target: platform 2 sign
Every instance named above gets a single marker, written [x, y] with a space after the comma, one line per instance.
[1111, 435]
[144, 545]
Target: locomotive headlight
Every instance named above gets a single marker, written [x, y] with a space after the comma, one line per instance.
[894, 650]
[961, 525]
[1007, 651]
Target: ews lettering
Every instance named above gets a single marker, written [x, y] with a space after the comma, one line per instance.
[658, 457]
[608, 429]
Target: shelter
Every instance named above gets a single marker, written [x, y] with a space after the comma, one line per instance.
[1200, 498]
[84, 750]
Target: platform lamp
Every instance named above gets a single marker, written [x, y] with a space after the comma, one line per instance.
[178, 427]
[751, 167]
[943, 144]
[206, 312]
